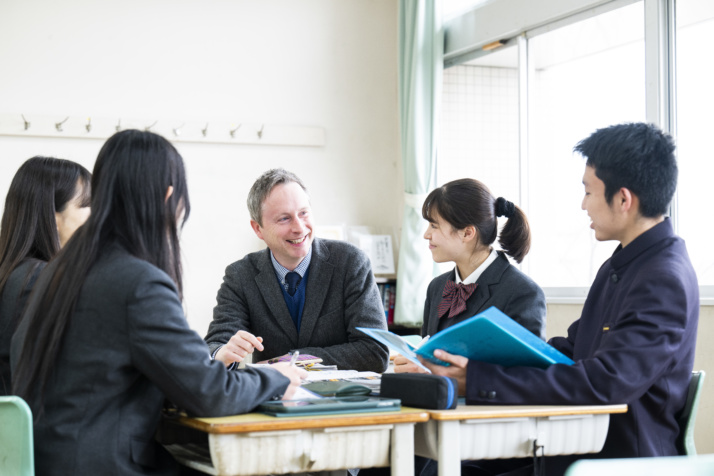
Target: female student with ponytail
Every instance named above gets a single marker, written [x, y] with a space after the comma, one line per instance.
[104, 339]
[47, 201]
[462, 228]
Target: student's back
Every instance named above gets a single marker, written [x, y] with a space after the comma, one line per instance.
[127, 346]
[104, 341]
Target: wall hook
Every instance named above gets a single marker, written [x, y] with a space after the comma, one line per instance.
[58, 125]
[177, 130]
[260, 132]
[88, 125]
[233, 131]
[204, 131]
[148, 128]
[27, 123]
[117, 128]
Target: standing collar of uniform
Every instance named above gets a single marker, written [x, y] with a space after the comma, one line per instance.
[281, 270]
[621, 256]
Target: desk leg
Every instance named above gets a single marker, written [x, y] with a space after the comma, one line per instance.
[402, 452]
[449, 447]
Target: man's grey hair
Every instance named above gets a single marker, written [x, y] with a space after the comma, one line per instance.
[262, 188]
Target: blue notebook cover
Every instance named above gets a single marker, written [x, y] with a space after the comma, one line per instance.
[490, 336]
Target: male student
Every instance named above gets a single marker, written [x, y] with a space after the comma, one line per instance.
[301, 293]
[635, 339]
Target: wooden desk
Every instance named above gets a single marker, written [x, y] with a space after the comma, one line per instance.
[255, 444]
[487, 432]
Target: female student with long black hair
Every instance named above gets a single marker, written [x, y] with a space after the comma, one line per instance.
[104, 338]
[47, 201]
[462, 228]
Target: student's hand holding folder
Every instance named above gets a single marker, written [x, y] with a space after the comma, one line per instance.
[457, 369]
[405, 365]
[490, 337]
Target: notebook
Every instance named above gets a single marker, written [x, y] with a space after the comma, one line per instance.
[490, 336]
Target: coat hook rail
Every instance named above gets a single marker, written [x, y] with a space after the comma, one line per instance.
[200, 131]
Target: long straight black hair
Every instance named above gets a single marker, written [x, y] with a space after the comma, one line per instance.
[41, 187]
[130, 181]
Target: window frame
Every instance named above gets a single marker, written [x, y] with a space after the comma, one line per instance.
[467, 34]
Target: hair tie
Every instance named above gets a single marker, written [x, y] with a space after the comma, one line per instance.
[504, 208]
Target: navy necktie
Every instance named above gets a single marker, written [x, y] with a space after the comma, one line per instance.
[292, 278]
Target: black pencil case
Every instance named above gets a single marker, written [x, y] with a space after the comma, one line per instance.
[434, 392]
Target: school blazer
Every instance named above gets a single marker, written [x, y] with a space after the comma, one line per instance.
[127, 348]
[12, 303]
[341, 295]
[501, 285]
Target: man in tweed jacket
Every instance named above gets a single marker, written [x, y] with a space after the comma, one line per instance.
[258, 312]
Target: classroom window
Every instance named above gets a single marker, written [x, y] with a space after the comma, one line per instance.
[479, 125]
[479, 132]
[587, 75]
[695, 103]
[583, 74]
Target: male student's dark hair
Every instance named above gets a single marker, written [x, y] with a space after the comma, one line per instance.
[636, 156]
[131, 176]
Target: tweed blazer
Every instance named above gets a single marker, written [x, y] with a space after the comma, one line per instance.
[126, 349]
[12, 302]
[501, 285]
[341, 295]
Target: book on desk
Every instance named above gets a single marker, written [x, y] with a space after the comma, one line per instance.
[490, 336]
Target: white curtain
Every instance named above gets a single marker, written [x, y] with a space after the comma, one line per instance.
[421, 51]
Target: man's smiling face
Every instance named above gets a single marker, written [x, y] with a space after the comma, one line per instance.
[287, 224]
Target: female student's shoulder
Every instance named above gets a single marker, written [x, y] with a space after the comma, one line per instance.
[525, 300]
[515, 277]
[118, 268]
[23, 277]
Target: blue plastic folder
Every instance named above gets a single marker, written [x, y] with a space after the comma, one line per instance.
[490, 336]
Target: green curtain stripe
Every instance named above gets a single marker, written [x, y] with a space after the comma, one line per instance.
[421, 52]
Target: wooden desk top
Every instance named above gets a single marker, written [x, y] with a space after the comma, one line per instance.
[474, 412]
[250, 422]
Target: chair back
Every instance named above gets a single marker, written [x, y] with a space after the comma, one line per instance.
[16, 445]
[686, 419]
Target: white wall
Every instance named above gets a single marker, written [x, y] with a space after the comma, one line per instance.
[324, 63]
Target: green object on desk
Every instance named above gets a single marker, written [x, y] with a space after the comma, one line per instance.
[328, 388]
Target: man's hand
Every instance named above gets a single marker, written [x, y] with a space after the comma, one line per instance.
[456, 370]
[295, 375]
[403, 365]
[240, 345]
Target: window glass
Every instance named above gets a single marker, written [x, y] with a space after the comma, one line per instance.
[586, 76]
[479, 124]
[695, 103]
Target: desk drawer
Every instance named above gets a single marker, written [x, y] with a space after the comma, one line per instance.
[295, 451]
[478, 438]
[575, 434]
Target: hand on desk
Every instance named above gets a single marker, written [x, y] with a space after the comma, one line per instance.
[295, 375]
[240, 345]
[456, 370]
[403, 365]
